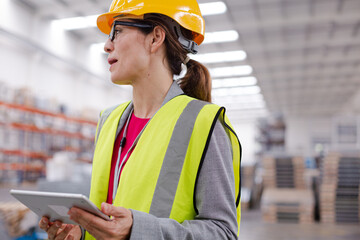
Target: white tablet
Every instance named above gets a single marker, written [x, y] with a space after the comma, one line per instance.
[56, 205]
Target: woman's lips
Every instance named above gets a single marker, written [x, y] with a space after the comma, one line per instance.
[111, 61]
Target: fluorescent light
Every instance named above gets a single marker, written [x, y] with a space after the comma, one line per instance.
[98, 47]
[236, 91]
[212, 8]
[231, 71]
[234, 82]
[237, 106]
[215, 57]
[249, 115]
[76, 22]
[221, 36]
[239, 99]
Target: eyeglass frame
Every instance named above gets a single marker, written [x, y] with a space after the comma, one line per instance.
[189, 45]
[129, 24]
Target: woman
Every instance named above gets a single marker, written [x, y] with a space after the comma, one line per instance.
[166, 166]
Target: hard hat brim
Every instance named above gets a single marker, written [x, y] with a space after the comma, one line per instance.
[105, 21]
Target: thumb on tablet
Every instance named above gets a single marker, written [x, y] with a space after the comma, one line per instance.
[111, 210]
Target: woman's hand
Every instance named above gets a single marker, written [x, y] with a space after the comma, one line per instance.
[57, 230]
[119, 227]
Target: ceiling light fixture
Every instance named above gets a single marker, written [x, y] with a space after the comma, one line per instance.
[76, 22]
[215, 57]
[221, 36]
[98, 46]
[231, 71]
[236, 106]
[234, 82]
[212, 8]
[239, 99]
[236, 91]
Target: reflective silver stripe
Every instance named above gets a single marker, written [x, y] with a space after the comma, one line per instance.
[169, 176]
[105, 114]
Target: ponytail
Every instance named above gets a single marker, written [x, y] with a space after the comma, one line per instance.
[197, 82]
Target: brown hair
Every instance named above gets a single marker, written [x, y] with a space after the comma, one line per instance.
[197, 82]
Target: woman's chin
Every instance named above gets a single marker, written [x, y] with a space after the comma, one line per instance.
[120, 82]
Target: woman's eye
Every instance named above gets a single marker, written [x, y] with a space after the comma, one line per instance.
[117, 32]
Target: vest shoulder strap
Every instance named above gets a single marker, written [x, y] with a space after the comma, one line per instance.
[103, 116]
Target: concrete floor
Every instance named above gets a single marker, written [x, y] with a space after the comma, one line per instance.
[254, 228]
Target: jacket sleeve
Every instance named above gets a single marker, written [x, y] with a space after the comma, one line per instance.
[215, 200]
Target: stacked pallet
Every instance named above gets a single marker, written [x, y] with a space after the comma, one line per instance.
[247, 185]
[247, 176]
[339, 191]
[12, 214]
[286, 197]
[284, 172]
[287, 205]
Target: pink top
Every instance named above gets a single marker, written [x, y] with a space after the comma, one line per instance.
[135, 126]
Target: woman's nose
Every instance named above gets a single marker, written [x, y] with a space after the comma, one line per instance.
[109, 46]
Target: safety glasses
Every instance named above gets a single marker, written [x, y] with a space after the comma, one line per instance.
[113, 32]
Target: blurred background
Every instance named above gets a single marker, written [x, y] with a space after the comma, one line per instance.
[287, 71]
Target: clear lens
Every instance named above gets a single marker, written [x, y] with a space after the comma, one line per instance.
[129, 24]
[112, 33]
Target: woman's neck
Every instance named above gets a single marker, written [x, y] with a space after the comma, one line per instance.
[152, 84]
[149, 94]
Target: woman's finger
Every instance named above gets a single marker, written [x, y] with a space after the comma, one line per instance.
[86, 219]
[69, 237]
[52, 231]
[111, 210]
[101, 229]
[44, 223]
[62, 234]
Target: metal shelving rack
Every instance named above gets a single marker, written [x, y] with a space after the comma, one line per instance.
[29, 136]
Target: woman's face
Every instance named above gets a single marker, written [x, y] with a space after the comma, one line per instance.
[128, 56]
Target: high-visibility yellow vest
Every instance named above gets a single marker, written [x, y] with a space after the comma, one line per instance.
[160, 175]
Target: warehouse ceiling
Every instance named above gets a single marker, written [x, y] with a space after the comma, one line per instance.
[304, 54]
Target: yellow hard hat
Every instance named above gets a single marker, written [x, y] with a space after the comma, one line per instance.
[184, 12]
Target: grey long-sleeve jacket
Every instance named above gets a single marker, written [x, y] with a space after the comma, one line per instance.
[215, 200]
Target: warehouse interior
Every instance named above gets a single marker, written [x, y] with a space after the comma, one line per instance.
[287, 72]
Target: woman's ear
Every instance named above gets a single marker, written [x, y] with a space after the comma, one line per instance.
[157, 38]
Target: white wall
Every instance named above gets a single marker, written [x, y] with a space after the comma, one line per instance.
[301, 131]
[52, 63]
[246, 132]
[352, 107]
